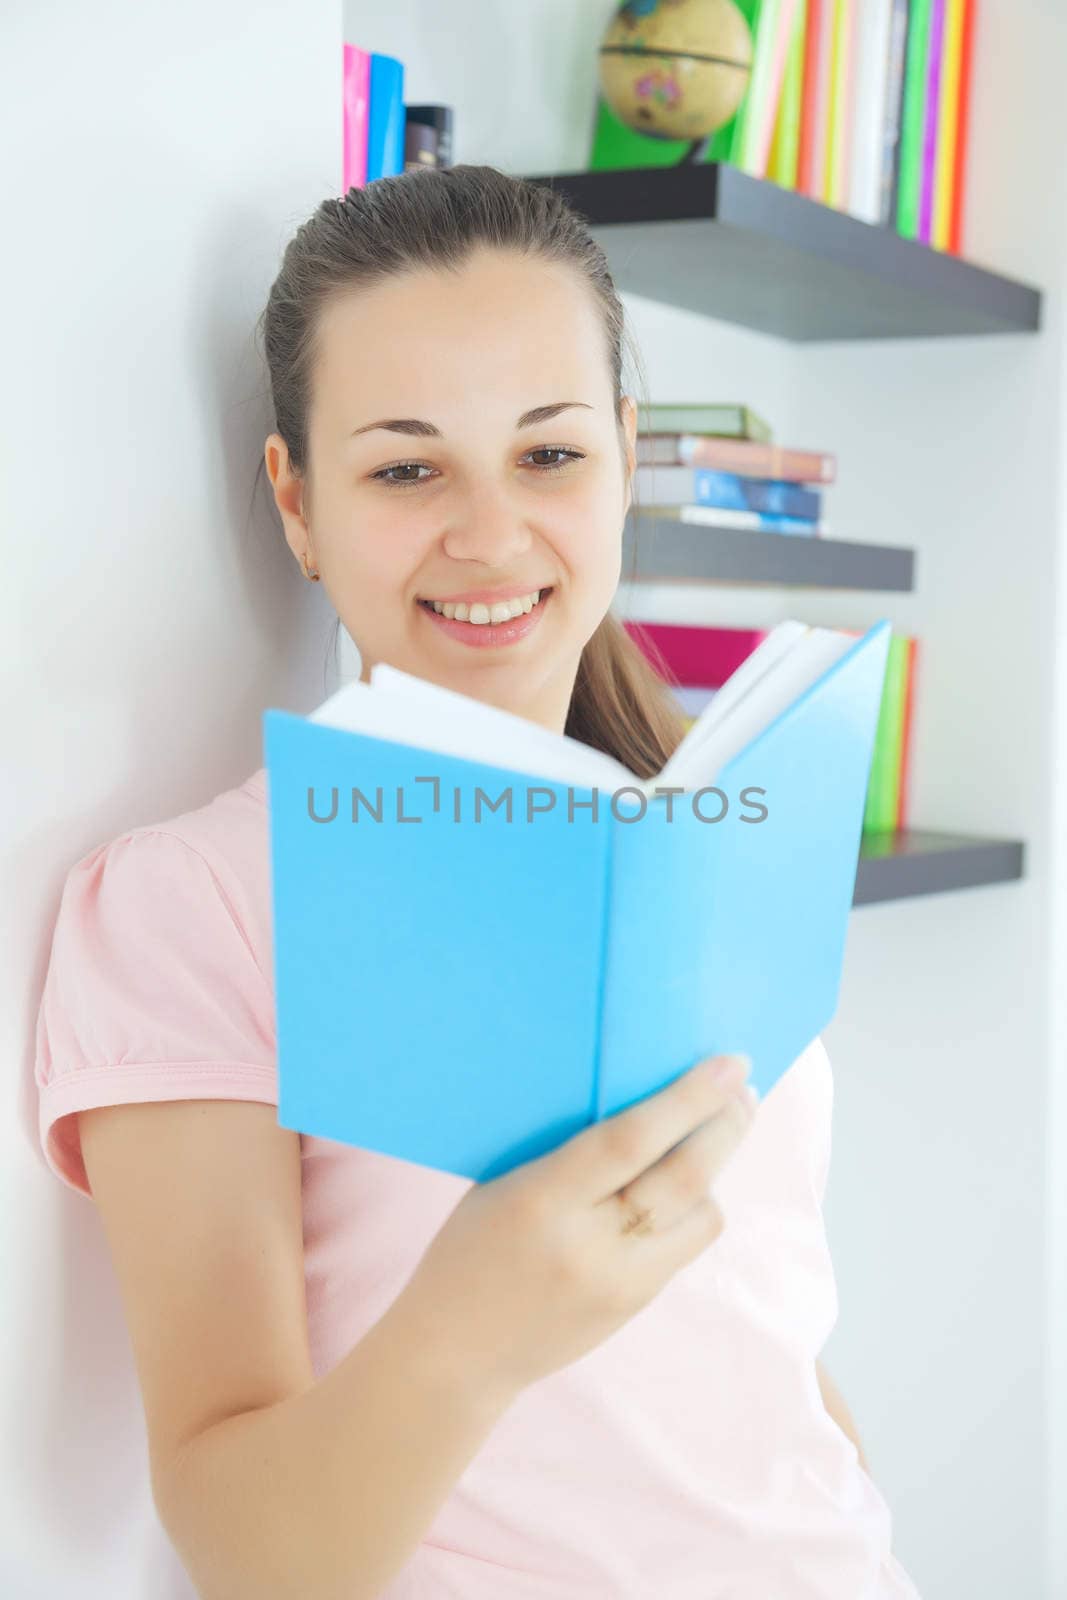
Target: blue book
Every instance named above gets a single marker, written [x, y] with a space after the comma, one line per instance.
[488, 936]
[776, 496]
[385, 118]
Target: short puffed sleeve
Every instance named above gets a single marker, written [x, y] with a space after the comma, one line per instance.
[152, 992]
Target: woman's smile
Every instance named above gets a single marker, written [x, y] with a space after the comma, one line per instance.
[472, 626]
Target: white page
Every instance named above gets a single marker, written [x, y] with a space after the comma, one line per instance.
[755, 667]
[404, 709]
[777, 690]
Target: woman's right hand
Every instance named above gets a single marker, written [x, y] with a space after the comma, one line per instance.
[534, 1268]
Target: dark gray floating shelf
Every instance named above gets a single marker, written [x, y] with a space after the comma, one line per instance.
[894, 866]
[709, 238]
[668, 549]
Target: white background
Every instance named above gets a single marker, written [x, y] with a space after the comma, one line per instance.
[157, 162]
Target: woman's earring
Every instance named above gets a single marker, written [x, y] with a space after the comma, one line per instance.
[313, 576]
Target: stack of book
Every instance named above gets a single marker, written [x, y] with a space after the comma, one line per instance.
[696, 661]
[863, 105]
[381, 136]
[718, 465]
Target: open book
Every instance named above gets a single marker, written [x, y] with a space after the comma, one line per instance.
[488, 935]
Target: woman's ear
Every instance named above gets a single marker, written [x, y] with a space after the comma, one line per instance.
[288, 489]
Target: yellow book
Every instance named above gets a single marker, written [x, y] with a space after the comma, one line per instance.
[947, 124]
[835, 184]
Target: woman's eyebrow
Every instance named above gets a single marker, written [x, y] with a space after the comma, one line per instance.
[426, 430]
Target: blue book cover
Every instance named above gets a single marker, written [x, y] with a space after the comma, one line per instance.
[385, 118]
[776, 495]
[477, 955]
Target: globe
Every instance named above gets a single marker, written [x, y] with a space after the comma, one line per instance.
[675, 69]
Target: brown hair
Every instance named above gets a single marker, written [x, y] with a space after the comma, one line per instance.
[434, 217]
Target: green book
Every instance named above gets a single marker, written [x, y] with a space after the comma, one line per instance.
[913, 120]
[616, 146]
[722, 421]
[883, 785]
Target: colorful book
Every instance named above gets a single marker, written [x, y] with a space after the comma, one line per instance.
[783, 163]
[386, 120]
[355, 92]
[807, 133]
[932, 118]
[880, 811]
[705, 486]
[907, 737]
[912, 119]
[963, 127]
[718, 421]
[633, 933]
[894, 105]
[947, 124]
[692, 654]
[747, 458]
[870, 110]
[774, 34]
[749, 521]
[839, 130]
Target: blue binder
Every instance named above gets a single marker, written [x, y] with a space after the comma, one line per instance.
[466, 990]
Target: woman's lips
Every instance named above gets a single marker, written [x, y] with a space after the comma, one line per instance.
[480, 635]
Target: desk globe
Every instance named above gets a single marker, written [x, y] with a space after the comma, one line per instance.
[676, 69]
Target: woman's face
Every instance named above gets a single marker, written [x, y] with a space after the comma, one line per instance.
[491, 500]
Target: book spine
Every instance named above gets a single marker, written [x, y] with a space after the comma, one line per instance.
[781, 43]
[886, 798]
[842, 77]
[868, 116]
[385, 131]
[807, 140]
[355, 71]
[872, 809]
[823, 94]
[720, 422]
[783, 162]
[754, 460]
[963, 122]
[748, 521]
[907, 738]
[759, 84]
[912, 123]
[933, 107]
[948, 111]
[894, 111]
[730, 491]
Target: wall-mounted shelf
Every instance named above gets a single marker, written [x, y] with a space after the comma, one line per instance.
[894, 866]
[707, 237]
[668, 549]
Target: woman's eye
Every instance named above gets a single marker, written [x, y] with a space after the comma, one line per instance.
[383, 475]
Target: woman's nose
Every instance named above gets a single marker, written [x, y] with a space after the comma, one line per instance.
[488, 526]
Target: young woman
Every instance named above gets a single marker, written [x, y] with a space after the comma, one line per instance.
[362, 1377]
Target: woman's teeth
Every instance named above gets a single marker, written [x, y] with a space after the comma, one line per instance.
[500, 611]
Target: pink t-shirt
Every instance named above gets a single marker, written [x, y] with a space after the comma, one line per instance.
[688, 1456]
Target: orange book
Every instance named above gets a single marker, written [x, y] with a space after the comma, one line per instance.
[904, 791]
[812, 155]
[962, 128]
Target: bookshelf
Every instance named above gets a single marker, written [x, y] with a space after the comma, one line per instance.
[712, 239]
[666, 548]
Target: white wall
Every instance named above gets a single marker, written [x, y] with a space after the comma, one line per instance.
[171, 155]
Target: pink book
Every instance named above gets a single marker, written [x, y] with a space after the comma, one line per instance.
[356, 102]
[933, 98]
[697, 657]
